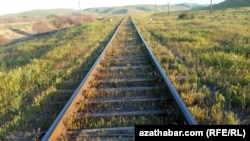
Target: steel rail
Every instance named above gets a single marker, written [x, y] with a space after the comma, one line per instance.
[180, 104]
[57, 125]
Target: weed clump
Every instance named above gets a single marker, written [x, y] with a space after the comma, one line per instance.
[3, 40]
[184, 16]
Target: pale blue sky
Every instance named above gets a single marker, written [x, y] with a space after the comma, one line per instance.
[16, 6]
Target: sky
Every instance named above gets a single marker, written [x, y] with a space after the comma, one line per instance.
[17, 6]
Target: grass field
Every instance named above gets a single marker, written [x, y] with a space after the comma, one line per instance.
[33, 71]
[207, 58]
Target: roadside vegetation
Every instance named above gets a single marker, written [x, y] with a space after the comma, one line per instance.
[12, 30]
[4, 40]
[207, 58]
[33, 72]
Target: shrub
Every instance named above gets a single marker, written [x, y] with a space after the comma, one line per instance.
[41, 27]
[4, 40]
[65, 21]
[186, 16]
[88, 18]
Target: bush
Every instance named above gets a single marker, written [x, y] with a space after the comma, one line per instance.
[66, 21]
[41, 27]
[88, 18]
[186, 16]
[4, 40]
[63, 21]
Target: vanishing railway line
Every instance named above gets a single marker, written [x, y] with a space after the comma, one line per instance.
[125, 86]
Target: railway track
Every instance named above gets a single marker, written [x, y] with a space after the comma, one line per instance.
[126, 86]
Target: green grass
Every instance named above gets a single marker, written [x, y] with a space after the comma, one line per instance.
[207, 59]
[32, 70]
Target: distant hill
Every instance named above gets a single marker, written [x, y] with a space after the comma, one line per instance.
[230, 4]
[130, 9]
[118, 10]
[233, 3]
[140, 9]
[42, 13]
[58, 12]
[187, 6]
